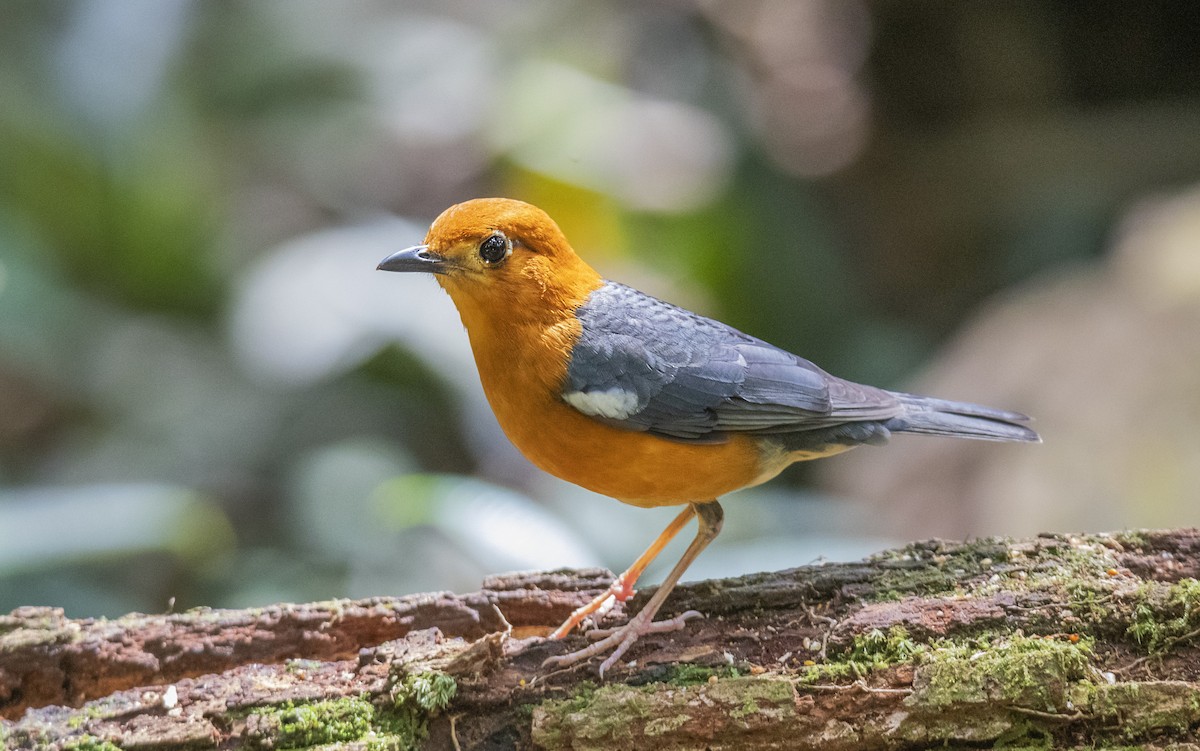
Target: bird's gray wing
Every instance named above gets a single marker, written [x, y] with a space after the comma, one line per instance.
[644, 364]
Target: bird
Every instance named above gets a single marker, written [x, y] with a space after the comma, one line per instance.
[643, 401]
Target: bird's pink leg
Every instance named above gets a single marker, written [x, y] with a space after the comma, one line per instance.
[710, 517]
[622, 589]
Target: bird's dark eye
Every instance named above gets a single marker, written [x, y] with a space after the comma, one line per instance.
[495, 248]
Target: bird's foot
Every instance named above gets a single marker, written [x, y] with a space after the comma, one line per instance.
[618, 591]
[621, 639]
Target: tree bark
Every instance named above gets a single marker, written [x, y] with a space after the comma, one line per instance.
[1067, 641]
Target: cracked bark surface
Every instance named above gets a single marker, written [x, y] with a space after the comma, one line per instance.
[1074, 641]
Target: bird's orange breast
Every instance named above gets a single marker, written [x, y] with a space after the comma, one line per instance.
[522, 370]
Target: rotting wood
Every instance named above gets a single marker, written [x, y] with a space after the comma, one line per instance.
[1076, 640]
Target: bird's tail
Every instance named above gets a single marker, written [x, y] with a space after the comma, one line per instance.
[929, 416]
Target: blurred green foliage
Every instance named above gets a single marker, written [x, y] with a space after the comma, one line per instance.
[845, 179]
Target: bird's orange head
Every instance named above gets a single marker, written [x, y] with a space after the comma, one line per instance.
[500, 258]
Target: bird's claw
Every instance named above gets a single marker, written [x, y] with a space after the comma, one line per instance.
[620, 640]
[618, 591]
[621, 589]
[654, 627]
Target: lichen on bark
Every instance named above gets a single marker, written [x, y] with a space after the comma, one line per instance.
[1059, 641]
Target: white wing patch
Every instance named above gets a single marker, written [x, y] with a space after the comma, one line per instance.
[615, 404]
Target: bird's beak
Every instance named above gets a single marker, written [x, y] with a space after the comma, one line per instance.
[416, 258]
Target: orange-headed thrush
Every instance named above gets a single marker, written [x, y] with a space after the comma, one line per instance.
[643, 401]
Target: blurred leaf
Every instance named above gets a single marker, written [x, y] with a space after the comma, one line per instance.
[502, 529]
[332, 495]
[786, 280]
[51, 526]
[39, 310]
[591, 220]
[137, 233]
[240, 67]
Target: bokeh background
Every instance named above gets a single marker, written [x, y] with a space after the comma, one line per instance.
[209, 396]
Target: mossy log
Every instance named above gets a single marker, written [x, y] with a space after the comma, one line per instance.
[1060, 641]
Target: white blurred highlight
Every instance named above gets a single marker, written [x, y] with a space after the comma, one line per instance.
[650, 154]
[502, 529]
[114, 56]
[316, 307]
[437, 85]
[1158, 250]
[446, 531]
[54, 524]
